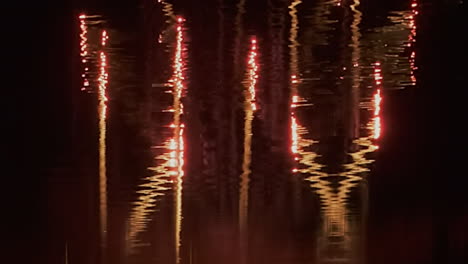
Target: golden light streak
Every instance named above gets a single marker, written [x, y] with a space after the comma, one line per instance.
[84, 50]
[294, 72]
[249, 109]
[102, 98]
[294, 46]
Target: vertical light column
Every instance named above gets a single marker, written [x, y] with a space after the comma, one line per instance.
[102, 109]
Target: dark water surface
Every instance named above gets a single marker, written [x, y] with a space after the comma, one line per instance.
[267, 131]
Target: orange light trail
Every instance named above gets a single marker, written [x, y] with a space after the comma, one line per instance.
[84, 50]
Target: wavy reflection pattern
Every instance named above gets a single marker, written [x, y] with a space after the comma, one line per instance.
[335, 242]
[171, 168]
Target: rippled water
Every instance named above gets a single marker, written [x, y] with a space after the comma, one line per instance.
[235, 131]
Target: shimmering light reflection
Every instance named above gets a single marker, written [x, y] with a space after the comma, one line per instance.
[84, 50]
[171, 170]
[249, 109]
[102, 82]
[178, 126]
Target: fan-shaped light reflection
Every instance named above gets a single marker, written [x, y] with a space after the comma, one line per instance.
[249, 109]
[84, 50]
[335, 243]
[171, 169]
[102, 98]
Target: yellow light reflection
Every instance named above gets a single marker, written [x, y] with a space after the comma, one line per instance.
[102, 98]
[84, 50]
[249, 109]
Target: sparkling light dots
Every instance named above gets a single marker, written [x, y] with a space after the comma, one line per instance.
[84, 50]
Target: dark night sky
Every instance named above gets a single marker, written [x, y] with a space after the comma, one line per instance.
[39, 51]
